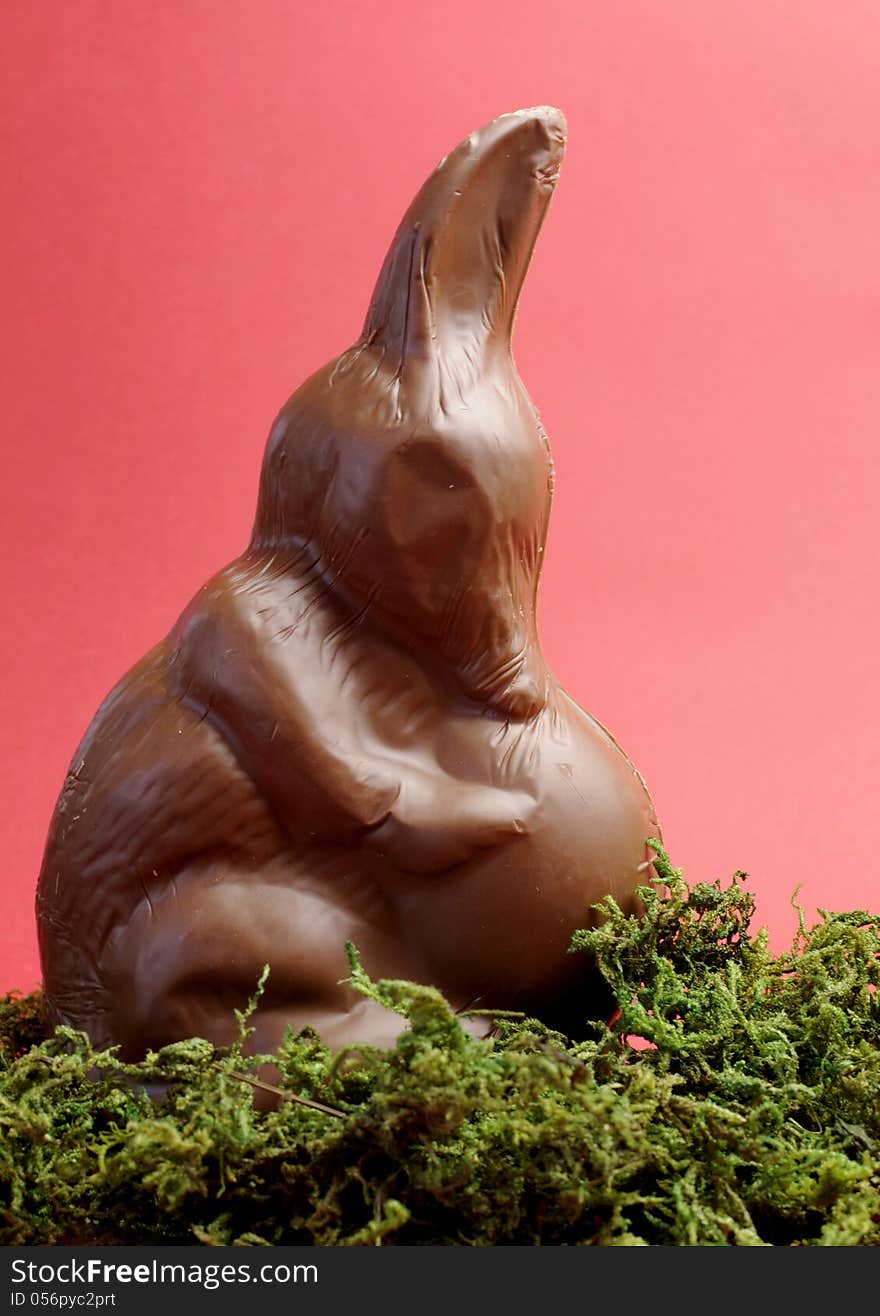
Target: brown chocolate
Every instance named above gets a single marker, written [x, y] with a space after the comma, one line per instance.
[351, 734]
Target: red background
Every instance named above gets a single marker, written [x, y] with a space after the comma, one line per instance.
[194, 203]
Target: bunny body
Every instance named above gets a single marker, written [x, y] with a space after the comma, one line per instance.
[352, 734]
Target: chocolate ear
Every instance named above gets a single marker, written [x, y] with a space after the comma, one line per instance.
[452, 277]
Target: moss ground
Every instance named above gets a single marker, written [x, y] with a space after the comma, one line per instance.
[749, 1115]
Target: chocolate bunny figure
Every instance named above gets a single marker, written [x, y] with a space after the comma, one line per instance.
[351, 734]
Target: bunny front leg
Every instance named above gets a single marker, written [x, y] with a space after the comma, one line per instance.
[247, 657]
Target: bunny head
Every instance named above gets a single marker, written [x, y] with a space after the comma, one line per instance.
[414, 467]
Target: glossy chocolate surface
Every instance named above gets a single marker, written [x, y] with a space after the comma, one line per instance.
[351, 734]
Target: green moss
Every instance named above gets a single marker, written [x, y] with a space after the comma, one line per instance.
[751, 1116]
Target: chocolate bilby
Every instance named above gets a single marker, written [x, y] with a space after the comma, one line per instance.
[351, 734]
